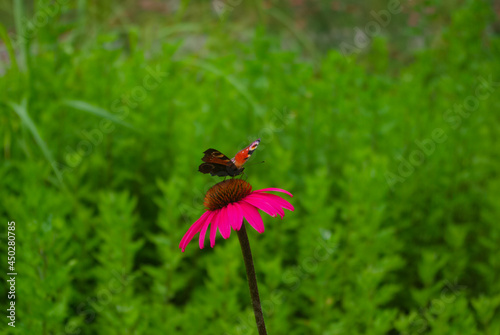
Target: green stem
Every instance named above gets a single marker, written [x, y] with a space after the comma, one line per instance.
[252, 280]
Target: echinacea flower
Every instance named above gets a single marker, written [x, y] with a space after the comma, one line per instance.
[227, 203]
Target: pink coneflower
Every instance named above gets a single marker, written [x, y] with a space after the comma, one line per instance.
[227, 204]
[230, 201]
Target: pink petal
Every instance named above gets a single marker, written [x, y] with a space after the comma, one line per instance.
[275, 205]
[203, 231]
[223, 224]
[261, 204]
[195, 227]
[237, 215]
[268, 198]
[277, 199]
[230, 213]
[252, 215]
[274, 190]
[213, 227]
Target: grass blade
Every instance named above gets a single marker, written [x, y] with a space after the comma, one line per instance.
[22, 111]
[98, 111]
[19, 14]
[8, 44]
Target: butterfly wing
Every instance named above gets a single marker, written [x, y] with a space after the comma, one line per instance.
[215, 156]
[218, 164]
[242, 156]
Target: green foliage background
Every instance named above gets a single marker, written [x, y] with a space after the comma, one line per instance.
[99, 170]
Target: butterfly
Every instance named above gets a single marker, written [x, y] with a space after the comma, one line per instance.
[218, 164]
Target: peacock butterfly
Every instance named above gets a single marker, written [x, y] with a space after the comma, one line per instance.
[218, 164]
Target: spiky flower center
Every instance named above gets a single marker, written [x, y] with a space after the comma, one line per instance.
[226, 192]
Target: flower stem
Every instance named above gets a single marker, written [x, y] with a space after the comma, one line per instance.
[252, 280]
